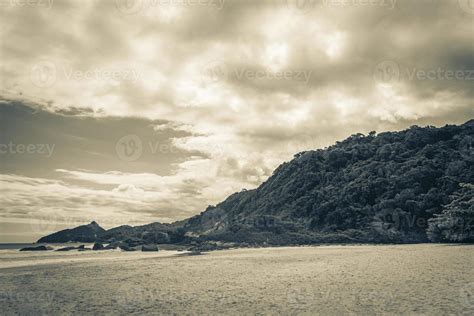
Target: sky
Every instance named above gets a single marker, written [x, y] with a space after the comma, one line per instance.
[135, 111]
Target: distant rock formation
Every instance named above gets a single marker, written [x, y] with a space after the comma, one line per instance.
[84, 233]
[66, 249]
[37, 248]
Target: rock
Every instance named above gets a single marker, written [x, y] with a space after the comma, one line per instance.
[110, 247]
[156, 237]
[194, 253]
[152, 247]
[134, 241]
[125, 248]
[97, 246]
[38, 248]
[83, 233]
[66, 249]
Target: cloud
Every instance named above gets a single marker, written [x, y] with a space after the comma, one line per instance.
[189, 102]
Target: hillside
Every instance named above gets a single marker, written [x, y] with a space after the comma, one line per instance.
[84, 233]
[394, 187]
[374, 188]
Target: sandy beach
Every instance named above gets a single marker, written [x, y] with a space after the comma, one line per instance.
[394, 279]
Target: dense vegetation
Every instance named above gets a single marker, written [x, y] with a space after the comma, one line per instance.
[395, 187]
[456, 222]
[374, 188]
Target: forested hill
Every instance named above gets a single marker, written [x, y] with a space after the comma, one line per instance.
[369, 188]
[416, 185]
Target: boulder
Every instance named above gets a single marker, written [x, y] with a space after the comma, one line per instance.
[134, 241]
[66, 249]
[110, 247]
[37, 248]
[97, 246]
[127, 248]
[151, 247]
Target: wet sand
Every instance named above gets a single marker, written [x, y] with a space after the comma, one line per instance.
[415, 279]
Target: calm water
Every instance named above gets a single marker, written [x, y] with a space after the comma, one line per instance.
[13, 246]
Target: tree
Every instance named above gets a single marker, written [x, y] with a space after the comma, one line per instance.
[455, 223]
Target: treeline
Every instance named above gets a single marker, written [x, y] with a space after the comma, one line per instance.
[408, 186]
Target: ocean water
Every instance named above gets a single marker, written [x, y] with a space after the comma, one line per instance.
[17, 246]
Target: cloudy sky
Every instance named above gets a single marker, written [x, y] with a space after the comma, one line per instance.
[150, 110]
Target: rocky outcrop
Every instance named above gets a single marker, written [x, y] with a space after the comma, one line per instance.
[84, 233]
[97, 246]
[37, 248]
[150, 248]
[66, 249]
